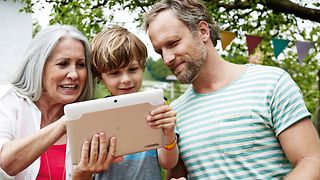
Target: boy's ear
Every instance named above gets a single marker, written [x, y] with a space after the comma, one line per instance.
[204, 31]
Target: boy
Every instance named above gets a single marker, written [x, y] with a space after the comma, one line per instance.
[119, 59]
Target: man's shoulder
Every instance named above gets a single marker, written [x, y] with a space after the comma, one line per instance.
[264, 71]
[265, 68]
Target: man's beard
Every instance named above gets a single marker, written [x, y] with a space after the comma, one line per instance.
[193, 67]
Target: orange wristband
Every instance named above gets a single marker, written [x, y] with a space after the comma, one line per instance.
[171, 145]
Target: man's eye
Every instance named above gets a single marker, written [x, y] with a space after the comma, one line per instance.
[173, 43]
[158, 52]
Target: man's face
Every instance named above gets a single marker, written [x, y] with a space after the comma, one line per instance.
[182, 51]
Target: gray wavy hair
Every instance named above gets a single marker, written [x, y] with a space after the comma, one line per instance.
[190, 12]
[28, 78]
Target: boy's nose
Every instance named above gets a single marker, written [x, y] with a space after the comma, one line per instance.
[125, 78]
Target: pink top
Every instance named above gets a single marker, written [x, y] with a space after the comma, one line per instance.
[52, 163]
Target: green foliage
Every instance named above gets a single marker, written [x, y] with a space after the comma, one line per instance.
[82, 14]
[158, 69]
[28, 8]
[147, 75]
[36, 28]
[100, 90]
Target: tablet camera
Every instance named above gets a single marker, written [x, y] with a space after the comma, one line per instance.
[115, 101]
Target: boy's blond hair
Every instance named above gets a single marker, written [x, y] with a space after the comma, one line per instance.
[115, 48]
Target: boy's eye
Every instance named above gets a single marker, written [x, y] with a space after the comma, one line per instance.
[133, 69]
[114, 73]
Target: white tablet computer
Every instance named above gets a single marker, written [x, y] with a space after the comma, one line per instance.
[122, 116]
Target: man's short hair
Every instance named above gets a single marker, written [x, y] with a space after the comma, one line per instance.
[190, 12]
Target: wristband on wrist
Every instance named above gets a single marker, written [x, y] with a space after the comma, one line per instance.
[171, 145]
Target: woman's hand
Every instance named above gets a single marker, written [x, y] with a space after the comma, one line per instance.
[95, 159]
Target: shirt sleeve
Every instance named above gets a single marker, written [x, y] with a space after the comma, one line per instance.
[287, 104]
[7, 117]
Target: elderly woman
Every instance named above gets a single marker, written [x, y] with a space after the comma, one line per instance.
[56, 71]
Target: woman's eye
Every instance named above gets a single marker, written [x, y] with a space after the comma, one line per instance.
[81, 64]
[62, 64]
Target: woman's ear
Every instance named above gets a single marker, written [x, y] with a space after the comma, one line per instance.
[204, 30]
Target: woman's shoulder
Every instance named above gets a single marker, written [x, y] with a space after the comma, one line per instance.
[8, 98]
[5, 89]
[9, 94]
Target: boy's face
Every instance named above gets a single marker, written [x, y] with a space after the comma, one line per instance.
[125, 80]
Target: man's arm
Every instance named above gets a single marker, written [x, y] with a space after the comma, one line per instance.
[301, 145]
[178, 171]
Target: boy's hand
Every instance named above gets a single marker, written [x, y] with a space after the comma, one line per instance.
[163, 117]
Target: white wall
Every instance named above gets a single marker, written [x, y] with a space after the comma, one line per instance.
[15, 35]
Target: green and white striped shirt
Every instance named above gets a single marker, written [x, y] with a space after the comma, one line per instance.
[232, 133]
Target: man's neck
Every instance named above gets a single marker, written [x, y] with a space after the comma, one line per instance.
[216, 74]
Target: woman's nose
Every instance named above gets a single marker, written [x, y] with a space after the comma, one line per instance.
[72, 74]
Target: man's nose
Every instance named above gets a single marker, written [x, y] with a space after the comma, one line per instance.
[168, 57]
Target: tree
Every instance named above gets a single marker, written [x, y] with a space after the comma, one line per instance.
[158, 70]
[265, 18]
[283, 6]
[90, 12]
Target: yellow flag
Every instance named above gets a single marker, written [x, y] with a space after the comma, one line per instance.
[226, 38]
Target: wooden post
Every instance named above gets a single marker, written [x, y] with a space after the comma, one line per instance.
[318, 108]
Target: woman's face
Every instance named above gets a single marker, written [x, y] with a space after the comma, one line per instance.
[125, 80]
[65, 72]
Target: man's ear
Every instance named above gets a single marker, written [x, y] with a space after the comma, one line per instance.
[204, 31]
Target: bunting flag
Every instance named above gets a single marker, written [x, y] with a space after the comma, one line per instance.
[279, 45]
[226, 38]
[252, 42]
[303, 48]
